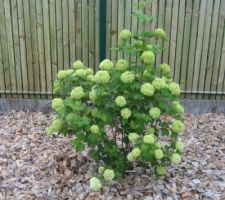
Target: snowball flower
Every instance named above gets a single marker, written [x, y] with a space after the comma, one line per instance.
[176, 107]
[57, 104]
[149, 139]
[95, 184]
[159, 83]
[78, 65]
[120, 101]
[108, 174]
[176, 159]
[174, 89]
[136, 152]
[125, 34]
[159, 33]
[148, 57]
[101, 170]
[77, 93]
[92, 95]
[160, 170]
[147, 89]
[125, 113]
[102, 77]
[127, 77]
[179, 146]
[122, 65]
[106, 65]
[155, 112]
[49, 130]
[94, 129]
[149, 46]
[89, 71]
[133, 137]
[91, 77]
[178, 126]
[57, 124]
[158, 154]
[165, 68]
[158, 145]
[64, 73]
[81, 73]
[130, 157]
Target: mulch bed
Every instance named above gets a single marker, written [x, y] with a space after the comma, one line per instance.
[36, 166]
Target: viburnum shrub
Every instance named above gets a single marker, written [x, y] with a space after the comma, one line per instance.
[127, 112]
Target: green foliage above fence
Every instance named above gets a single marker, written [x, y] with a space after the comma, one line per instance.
[40, 37]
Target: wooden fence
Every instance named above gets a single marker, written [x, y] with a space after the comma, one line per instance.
[40, 37]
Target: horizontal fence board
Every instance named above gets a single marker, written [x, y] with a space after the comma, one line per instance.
[40, 37]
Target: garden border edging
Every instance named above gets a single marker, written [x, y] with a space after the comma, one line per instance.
[192, 106]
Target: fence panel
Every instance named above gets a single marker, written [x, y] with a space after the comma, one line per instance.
[39, 38]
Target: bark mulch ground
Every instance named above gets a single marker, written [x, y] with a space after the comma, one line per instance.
[36, 166]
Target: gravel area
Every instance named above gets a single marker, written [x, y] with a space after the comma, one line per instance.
[36, 166]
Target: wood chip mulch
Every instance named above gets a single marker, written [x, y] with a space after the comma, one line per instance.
[36, 166]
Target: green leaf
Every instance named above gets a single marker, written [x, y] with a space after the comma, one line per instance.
[92, 140]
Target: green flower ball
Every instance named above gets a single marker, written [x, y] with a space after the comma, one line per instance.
[179, 146]
[159, 83]
[176, 159]
[125, 113]
[176, 107]
[108, 174]
[95, 184]
[158, 145]
[159, 33]
[64, 73]
[160, 170]
[148, 139]
[147, 89]
[133, 137]
[155, 113]
[102, 77]
[57, 104]
[120, 101]
[49, 130]
[130, 157]
[92, 95]
[136, 152]
[158, 154]
[178, 126]
[81, 73]
[57, 124]
[165, 69]
[78, 65]
[148, 57]
[94, 129]
[91, 77]
[101, 170]
[77, 93]
[127, 77]
[122, 65]
[89, 71]
[125, 35]
[149, 46]
[106, 65]
[174, 89]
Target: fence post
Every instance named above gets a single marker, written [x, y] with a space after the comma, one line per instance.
[102, 30]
